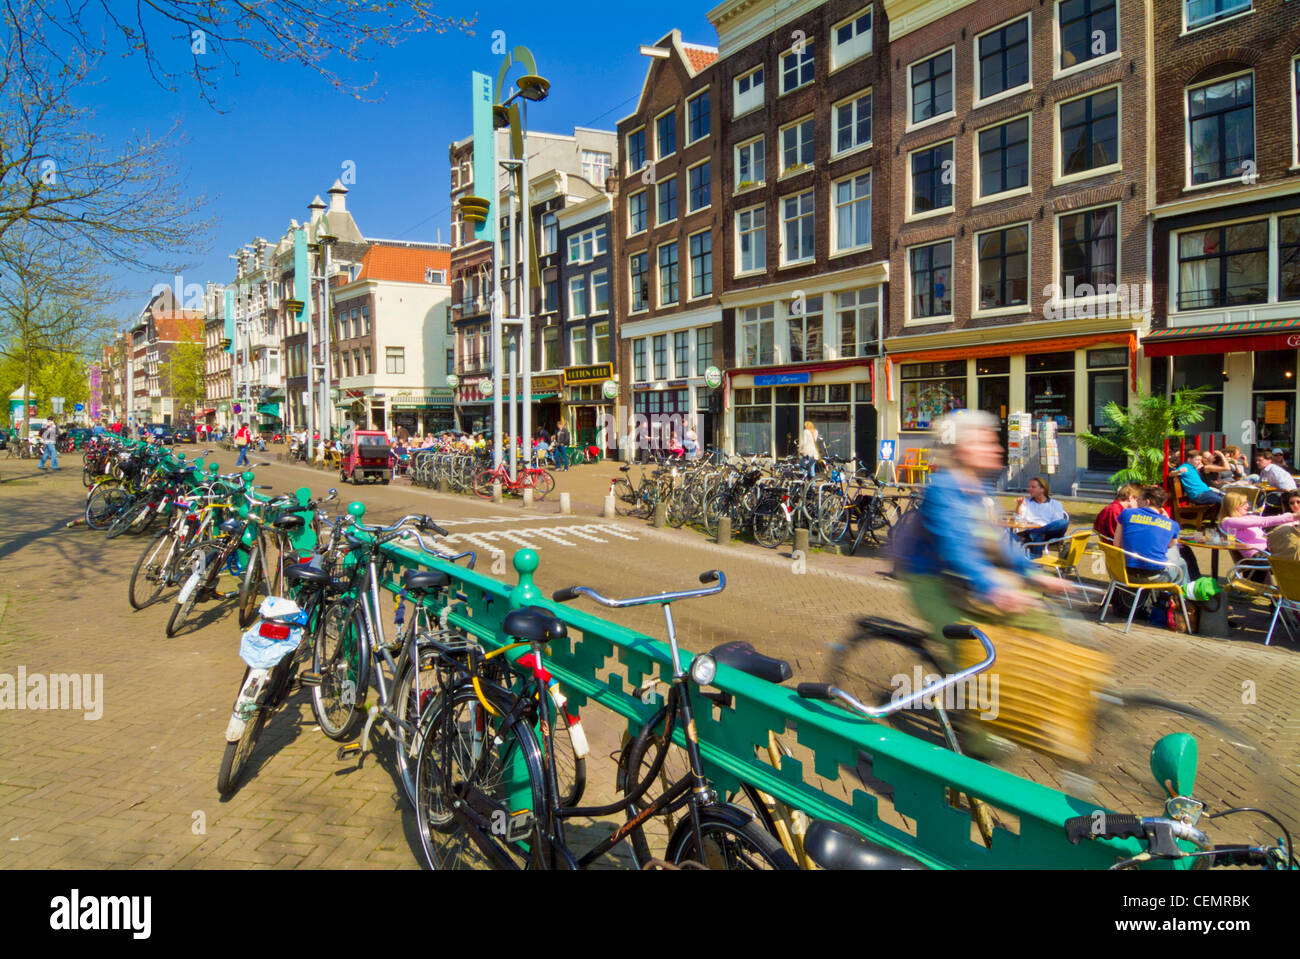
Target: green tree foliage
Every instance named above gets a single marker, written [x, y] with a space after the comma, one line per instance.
[182, 375]
[1138, 433]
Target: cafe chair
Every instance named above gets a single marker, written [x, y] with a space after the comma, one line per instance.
[1063, 555]
[1117, 570]
[1187, 515]
[1286, 577]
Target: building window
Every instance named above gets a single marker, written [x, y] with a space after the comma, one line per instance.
[852, 120]
[932, 176]
[667, 200]
[578, 344]
[931, 87]
[851, 39]
[852, 212]
[640, 286]
[636, 213]
[666, 135]
[798, 228]
[1203, 12]
[682, 354]
[451, 362]
[858, 315]
[699, 179]
[551, 301]
[797, 68]
[928, 391]
[595, 167]
[638, 360]
[797, 145]
[703, 349]
[1004, 157]
[635, 150]
[600, 343]
[1090, 132]
[931, 281]
[578, 297]
[1087, 30]
[1288, 258]
[668, 274]
[1004, 58]
[1004, 267]
[749, 92]
[751, 170]
[661, 356]
[698, 123]
[600, 292]
[807, 331]
[1223, 266]
[396, 357]
[751, 239]
[701, 253]
[551, 348]
[1088, 249]
[550, 234]
[1049, 389]
[757, 334]
[1221, 128]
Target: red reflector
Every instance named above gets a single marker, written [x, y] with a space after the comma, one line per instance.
[274, 631]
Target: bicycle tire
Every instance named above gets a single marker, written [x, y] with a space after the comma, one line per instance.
[625, 500]
[155, 562]
[728, 844]
[252, 586]
[482, 483]
[447, 760]
[104, 503]
[340, 634]
[234, 759]
[832, 516]
[543, 482]
[126, 518]
[183, 608]
[413, 691]
[773, 528]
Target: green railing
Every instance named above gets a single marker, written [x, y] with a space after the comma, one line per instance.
[835, 755]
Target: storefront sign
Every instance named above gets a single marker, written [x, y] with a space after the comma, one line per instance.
[1275, 411]
[453, 380]
[781, 379]
[543, 384]
[887, 450]
[609, 389]
[588, 374]
[713, 377]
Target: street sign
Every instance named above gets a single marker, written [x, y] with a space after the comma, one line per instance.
[56, 404]
[237, 408]
[887, 450]
[80, 407]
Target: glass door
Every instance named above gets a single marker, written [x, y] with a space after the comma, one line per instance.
[994, 397]
[1104, 387]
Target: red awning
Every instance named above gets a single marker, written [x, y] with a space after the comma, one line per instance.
[1223, 338]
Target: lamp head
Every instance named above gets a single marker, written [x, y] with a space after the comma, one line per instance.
[533, 88]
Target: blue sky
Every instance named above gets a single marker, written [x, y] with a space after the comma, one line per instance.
[286, 133]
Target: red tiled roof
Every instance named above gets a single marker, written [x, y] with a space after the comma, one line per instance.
[402, 264]
[179, 327]
[699, 57]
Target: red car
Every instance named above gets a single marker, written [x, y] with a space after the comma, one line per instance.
[367, 455]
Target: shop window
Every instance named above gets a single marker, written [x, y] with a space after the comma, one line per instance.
[807, 330]
[1288, 257]
[758, 331]
[929, 390]
[1203, 370]
[1049, 389]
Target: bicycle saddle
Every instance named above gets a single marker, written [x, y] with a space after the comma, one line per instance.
[624, 469]
[417, 579]
[741, 655]
[534, 624]
[306, 574]
[288, 522]
[834, 846]
[230, 526]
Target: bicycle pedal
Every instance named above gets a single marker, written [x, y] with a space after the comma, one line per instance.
[349, 750]
[309, 679]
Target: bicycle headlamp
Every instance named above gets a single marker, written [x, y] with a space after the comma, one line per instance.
[704, 668]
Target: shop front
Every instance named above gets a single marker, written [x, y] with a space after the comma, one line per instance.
[422, 411]
[474, 404]
[590, 395]
[767, 409]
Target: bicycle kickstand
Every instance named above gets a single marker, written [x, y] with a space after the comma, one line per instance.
[359, 749]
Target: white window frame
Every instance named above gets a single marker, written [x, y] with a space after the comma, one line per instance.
[1029, 272]
[1274, 265]
[1087, 302]
[678, 212]
[851, 102]
[690, 209]
[780, 140]
[739, 267]
[757, 323]
[1058, 161]
[630, 298]
[592, 351]
[577, 284]
[1059, 71]
[837, 64]
[608, 168]
[909, 126]
[643, 192]
[908, 215]
[741, 102]
[910, 320]
[663, 156]
[808, 54]
[573, 345]
[389, 356]
[644, 343]
[1188, 185]
[550, 233]
[627, 136]
[977, 179]
[741, 146]
[1250, 8]
[1294, 77]
[976, 99]
[857, 310]
[659, 287]
[687, 113]
[781, 217]
[593, 308]
[833, 206]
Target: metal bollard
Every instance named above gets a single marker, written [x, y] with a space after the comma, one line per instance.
[496, 492]
[443, 486]
[564, 503]
[608, 510]
[724, 531]
[528, 498]
[661, 515]
[801, 541]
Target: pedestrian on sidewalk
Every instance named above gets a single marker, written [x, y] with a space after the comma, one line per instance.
[809, 453]
[242, 438]
[562, 447]
[50, 437]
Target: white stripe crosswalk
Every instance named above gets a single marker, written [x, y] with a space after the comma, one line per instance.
[534, 537]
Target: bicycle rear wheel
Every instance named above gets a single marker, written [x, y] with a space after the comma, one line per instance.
[772, 528]
[252, 588]
[341, 657]
[624, 497]
[104, 503]
[482, 484]
[542, 481]
[149, 578]
[728, 843]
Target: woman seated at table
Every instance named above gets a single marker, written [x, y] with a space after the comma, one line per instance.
[1236, 519]
[1046, 517]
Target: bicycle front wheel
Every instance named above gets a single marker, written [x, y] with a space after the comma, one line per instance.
[483, 481]
[729, 843]
[252, 588]
[341, 658]
[104, 503]
[149, 577]
[543, 482]
[624, 497]
[771, 529]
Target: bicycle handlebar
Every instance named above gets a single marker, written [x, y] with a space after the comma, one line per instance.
[571, 592]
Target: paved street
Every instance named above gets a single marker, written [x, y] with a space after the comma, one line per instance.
[136, 786]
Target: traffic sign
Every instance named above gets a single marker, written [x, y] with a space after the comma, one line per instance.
[80, 407]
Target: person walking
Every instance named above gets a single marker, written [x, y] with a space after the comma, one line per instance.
[242, 438]
[50, 437]
[562, 447]
[809, 454]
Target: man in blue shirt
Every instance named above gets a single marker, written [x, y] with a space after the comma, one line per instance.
[1146, 533]
[1194, 488]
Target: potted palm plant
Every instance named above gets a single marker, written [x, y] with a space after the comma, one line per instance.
[1137, 433]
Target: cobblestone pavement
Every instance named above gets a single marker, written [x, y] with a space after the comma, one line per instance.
[136, 786]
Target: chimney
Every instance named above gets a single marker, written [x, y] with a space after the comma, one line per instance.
[338, 197]
[317, 207]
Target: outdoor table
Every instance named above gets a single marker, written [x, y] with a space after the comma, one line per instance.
[1215, 546]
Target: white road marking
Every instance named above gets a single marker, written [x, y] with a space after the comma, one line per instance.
[575, 534]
